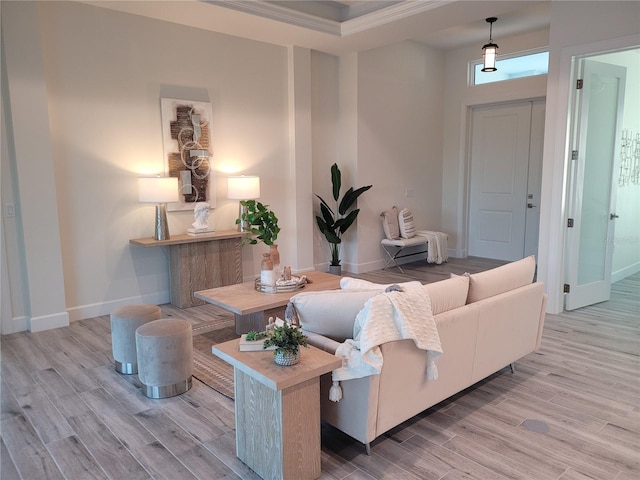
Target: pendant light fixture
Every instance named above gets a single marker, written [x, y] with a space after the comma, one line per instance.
[490, 50]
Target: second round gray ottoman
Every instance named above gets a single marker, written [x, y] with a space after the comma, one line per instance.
[124, 322]
[165, 357]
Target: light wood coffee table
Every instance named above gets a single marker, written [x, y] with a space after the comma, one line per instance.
[253, 308]
[278, 410]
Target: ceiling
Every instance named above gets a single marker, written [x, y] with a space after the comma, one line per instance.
[340, 27]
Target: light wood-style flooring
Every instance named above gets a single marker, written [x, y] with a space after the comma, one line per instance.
[67, 414]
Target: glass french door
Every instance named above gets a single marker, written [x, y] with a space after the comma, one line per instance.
[592, 197]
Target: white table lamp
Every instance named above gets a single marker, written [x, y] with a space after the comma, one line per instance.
[159, 190]
[243, 187]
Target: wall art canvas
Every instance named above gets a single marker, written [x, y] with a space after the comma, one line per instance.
[188, 154]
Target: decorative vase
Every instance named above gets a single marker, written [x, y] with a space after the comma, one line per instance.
[286, 357]
[267, 274]
[275, 258]
[335, 269]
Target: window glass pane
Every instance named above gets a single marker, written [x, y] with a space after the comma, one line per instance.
[515, 67]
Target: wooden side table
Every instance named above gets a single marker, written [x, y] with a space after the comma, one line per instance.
[278, 410]
[200, 262]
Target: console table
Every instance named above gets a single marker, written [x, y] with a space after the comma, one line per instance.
[200, 262]
[278, 410]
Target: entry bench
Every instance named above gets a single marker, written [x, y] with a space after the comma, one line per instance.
[395, 248]
[401, 234]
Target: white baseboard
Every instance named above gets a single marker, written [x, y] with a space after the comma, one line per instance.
[15, 325]
[105, 308]
[625, 272]
[49, 322]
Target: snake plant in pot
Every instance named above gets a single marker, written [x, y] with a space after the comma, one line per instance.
[334, 222]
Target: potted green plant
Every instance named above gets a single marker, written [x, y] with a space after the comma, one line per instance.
[333, 223]
[287, 340]
[263, 223]
[263, 227]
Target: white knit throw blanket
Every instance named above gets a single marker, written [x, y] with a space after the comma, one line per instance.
[385, 318]
[437, 250]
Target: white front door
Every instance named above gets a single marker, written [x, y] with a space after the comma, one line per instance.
[504, 194]
[592, 198]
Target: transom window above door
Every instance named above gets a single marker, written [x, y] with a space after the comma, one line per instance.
[515, 66]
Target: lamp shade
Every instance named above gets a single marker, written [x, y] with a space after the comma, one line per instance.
[243, 187]
[489, 55]
[158, 189]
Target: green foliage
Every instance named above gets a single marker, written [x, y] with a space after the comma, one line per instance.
[334, 222]
[252, 336]
[263, 223]
[286, 338]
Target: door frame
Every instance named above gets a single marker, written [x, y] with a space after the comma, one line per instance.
[467, 158]
[556, 159]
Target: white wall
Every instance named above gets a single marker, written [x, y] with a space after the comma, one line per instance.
[381, 122]
[35, 231]
[400, 109]
[459, 97]
[325, 115]
[105, 72]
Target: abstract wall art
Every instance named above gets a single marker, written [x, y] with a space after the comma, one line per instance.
[188, 154]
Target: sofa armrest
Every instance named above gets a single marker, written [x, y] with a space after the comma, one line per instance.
[320, 341]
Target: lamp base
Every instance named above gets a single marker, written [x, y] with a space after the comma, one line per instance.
[243, 226]
[162, 226]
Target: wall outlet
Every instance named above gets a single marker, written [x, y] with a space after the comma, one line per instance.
[408, 192]
[10, 210]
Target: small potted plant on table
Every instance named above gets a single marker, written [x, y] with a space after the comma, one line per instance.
[287, 340]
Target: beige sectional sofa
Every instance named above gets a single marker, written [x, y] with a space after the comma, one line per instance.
[485, 321]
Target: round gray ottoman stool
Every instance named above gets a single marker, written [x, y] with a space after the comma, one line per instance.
[124, 322]
[165, 357]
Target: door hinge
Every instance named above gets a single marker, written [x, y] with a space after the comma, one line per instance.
[579, 84]
[566, 288]
[570, 222]
[574, 154]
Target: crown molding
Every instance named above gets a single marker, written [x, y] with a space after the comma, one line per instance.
[389, 14]
[282, 14]
[364, 22]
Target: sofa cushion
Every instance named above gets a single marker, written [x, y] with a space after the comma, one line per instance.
[501, 279]
[349, 283]
[445, 294]
[330, 312]
[390, 223]
[406, 224]
[448, 294]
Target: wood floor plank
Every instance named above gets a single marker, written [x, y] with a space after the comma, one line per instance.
[204, 464]
[60, 393]
[46, 419]
[108, 451]
[73, 459]
[121, 423]
[162, 463]
[224, 447]
[8, 470]
[30, 456]
[174, 438]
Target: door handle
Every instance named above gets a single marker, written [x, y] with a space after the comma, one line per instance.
[531, 205]
[612, 216]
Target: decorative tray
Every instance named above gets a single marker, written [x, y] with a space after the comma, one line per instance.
[281, 288]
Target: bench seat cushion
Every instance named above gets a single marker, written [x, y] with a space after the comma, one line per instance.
[404, 242]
